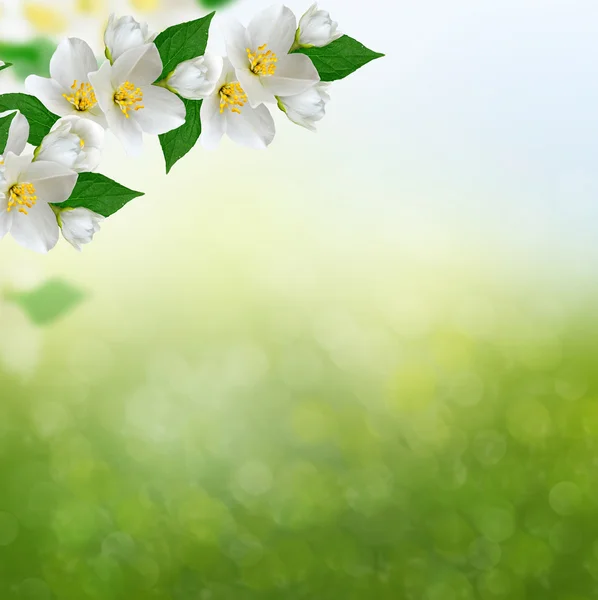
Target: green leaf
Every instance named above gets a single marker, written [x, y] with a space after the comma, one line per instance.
[5, 66]
[340, 58]
[39, 117]
[183, 42]
[177, 143]
[30, 58]
[5, 123]
[49, 302]
[99, 194]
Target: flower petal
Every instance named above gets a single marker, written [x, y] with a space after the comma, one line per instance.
[275, 26]
[252, 85]
[213, 124]
[50, 93]
[141, 66]
[53, 182]
[5, 219]
[72, 61]
[102, 85]
[128, 131]
[253, 128]
[237, 42]
[163, 111]
[295, 73]
[37, 230]
[18, 133]
[14, 167]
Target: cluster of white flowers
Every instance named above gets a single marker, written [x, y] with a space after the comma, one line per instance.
[260, 69]
[126, 96]
[30, 183]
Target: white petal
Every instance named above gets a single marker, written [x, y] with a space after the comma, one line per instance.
[275, 26]
[37, 230]
[253, 127]
[102, 85]
[236, 44]
[72, 61]
[18, 134]
[163, 111]
[141, 66]
[128, 131]
[5, 220]
[89, 161]
[53, 182]
[50, 93]
[213, 124]
[295, 73]
[252, 86]
[14, 167]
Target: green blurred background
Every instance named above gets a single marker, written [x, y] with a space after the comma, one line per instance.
[359, 365]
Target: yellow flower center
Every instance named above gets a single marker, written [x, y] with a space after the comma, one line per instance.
[128, 97]
[232, 96]
[21, 196]
[82, 97]
[263, 62]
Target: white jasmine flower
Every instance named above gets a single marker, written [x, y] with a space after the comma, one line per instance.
[79, 225]
[226, 110]
[131, 103]
[316, 28]
[124, 33]
[196, 78]
[260, 55]
[307, 108]
[18, 133]
[73, 142]
[26, 191]
[69, 91]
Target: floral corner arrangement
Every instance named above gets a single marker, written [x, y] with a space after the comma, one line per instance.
[164, 85]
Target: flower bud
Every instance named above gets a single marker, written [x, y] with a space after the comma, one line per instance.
[124, 33]
[79, 225]
[195, 79]
[73, 142]
[316, 28]
[307, 108]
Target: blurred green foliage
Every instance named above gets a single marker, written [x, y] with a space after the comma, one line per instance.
[48, 302]
[214, 3]
[30, 58]
[356, 460]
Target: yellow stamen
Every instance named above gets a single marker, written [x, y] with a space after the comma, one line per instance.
[232, 96]
[263, 62]
[83, 97]
[128, 97]
[21, 196]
